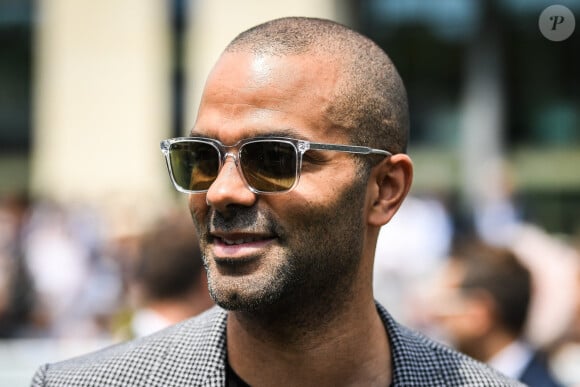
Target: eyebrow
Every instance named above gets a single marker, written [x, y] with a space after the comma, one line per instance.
[286, 132]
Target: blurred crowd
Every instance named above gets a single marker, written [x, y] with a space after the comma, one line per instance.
[502, 290]
[70, 272]
[498, 288]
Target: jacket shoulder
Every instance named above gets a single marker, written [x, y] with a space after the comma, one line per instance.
[196, 345]
[419, 360]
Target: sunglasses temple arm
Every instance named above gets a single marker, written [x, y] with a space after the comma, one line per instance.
[344, 148]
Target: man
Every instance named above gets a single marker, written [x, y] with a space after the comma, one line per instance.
[295, 162]
[483, 307]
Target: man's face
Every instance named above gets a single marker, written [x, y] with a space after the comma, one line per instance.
[288, 248]
[461, 318]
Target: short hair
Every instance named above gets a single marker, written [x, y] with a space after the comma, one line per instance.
[371, 102]
[499, 272]
[170, 262]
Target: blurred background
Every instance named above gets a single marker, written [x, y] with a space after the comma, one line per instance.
[89, 88]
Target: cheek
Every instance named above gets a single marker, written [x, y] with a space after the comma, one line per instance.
[323, 189]
[321, 212]
[198, 208]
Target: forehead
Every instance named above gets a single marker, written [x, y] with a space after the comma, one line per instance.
[248, 95]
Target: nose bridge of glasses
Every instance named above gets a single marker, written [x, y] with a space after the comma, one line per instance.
[230, 151]
[231, 154]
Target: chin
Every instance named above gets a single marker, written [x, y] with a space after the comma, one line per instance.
[235, 297]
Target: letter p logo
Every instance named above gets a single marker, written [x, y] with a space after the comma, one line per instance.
[556, 20]
[557, 23]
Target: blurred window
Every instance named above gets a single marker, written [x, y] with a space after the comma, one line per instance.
[15, 74]
[429, 40]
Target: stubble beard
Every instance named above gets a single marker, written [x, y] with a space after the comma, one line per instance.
[309, 276]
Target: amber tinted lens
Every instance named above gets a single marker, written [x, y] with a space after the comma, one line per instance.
[195, 165]
[269, 166]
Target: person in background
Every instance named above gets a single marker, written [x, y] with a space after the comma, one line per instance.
[17, 298]
[168, 282]
[566, 353]
[482, 306]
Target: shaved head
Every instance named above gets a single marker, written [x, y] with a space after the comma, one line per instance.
[370, 102]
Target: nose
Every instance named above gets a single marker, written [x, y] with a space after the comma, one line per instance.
[229, 188]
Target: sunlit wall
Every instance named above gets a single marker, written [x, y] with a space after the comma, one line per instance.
[101, 98]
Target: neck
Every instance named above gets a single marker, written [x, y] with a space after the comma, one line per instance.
[346, 347]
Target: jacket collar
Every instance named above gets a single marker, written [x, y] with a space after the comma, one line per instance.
[207, 333]
[411, 361]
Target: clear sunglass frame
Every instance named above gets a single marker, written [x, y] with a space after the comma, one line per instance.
[300, 147]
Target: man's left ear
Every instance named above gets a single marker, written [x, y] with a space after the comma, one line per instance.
[389, 184]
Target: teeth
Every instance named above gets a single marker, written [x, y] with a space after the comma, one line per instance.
[240, 241]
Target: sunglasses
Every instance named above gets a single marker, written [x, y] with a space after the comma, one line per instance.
[267, 164]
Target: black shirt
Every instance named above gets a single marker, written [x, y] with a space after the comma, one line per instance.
[232, 379]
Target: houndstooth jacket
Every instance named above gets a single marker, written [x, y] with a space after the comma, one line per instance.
[193, 353]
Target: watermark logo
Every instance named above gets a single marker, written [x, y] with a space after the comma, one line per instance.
[557, 23]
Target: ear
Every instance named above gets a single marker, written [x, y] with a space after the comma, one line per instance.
[390, 182]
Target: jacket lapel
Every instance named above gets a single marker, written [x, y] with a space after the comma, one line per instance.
[413, 363]
[196, 355]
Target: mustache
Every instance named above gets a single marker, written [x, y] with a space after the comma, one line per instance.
[248, 219]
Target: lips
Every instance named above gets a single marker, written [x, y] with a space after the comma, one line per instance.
[241, 241]
[239, 244]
